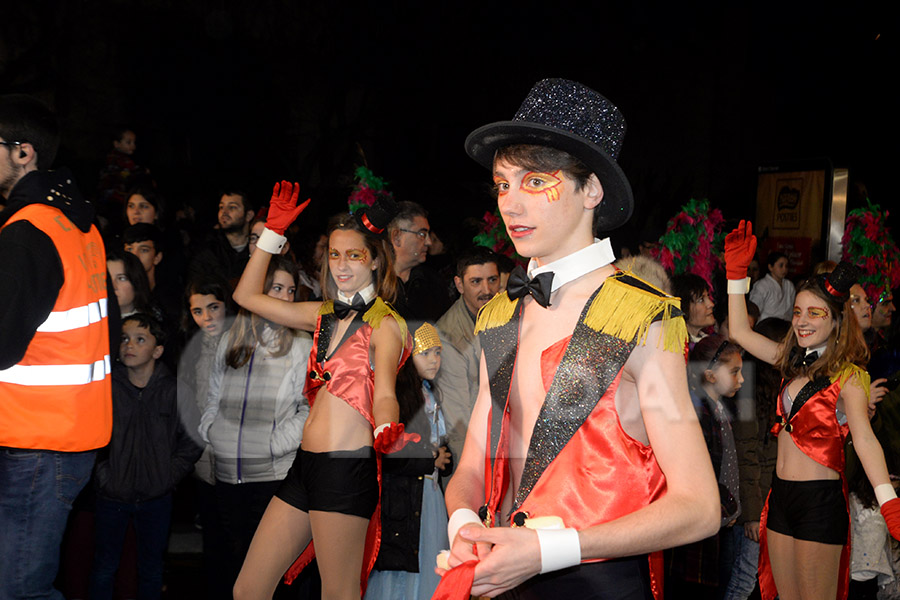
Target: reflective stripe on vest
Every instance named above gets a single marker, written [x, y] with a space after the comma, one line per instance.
[74, 318]
[57, 374]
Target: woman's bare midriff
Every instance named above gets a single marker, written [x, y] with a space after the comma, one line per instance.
[334, 425]
[792, 463]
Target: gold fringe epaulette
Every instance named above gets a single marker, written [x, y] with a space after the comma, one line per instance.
[496, 313]
[848, 371]
[379, 310]
[327, 307]
[625, 311]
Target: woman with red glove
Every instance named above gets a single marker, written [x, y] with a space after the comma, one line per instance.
[331, 493]
[804, 533]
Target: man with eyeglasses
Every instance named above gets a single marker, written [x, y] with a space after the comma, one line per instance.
[55, 398]
[422, 293]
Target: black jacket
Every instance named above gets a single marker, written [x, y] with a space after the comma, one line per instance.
[150, 450]
[403, 476]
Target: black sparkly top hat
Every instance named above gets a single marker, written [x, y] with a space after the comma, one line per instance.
[572, 117]
[837, 284]
[376, 218]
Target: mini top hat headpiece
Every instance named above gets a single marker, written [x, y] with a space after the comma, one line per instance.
[572, 117]
[836, 285]
[426, 337]
[376, 218]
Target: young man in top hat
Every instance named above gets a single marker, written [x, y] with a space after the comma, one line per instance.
[583, 445]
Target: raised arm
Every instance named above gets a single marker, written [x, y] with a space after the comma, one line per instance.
[740, 246]
[249, 292]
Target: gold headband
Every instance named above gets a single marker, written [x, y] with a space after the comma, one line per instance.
[426, 338]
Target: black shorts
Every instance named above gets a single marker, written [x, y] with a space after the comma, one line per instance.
[345, 481]
[617, 579]
[815, 510]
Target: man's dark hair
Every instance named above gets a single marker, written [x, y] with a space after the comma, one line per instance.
[142, 232]
[690, 288]
[244, 196]
[476, 255]
[26, 119]
[407, 211]
[153, 325]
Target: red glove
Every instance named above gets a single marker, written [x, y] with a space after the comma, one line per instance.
[391, 438]
[283, 207]
[456, 584]
[740, 247]
[890, 510]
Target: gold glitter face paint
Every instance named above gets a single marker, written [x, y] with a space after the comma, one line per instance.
[813, 312]
[358, 254]
[549, 184]
[354, 254]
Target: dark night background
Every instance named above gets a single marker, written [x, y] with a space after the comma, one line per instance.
[247, 94]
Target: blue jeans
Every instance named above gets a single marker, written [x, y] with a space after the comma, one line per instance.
[151, 528]
[746, 564]
[37, 488]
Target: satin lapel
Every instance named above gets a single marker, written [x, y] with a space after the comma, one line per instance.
[500, 349]
[809, 390]
[590, 364]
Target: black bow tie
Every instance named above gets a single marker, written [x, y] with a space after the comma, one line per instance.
[799, 358]
[539, 287]
[342, 309]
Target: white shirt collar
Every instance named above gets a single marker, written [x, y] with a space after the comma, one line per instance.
[571, 267]
[368, 294]
[819, 349]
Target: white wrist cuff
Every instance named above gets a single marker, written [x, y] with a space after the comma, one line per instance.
[380, 428]
[560, 549]
[270, 241]
[884, 493]
[736, 286]
[460, 517]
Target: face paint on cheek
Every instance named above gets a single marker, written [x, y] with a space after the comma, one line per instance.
[358, 254]
[548, 184]
[817, 312]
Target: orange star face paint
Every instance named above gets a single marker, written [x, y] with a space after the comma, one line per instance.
[549, 184]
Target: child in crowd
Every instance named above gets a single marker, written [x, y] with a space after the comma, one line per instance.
[207, 317]
[255, 413]
[130, 284]
[411, 484]
[702, 569]
[120, 171]
[774, 293]
[149, 453]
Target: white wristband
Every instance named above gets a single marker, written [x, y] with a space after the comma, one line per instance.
[460, 517]
[270, 241]
[884, 493]
[560, 549]
[379, 429]
[739, 286]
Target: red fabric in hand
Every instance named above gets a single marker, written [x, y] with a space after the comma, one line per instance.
[890, 510]
[283, 207]
[740, 247]
[456, 584]
[392, 438]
